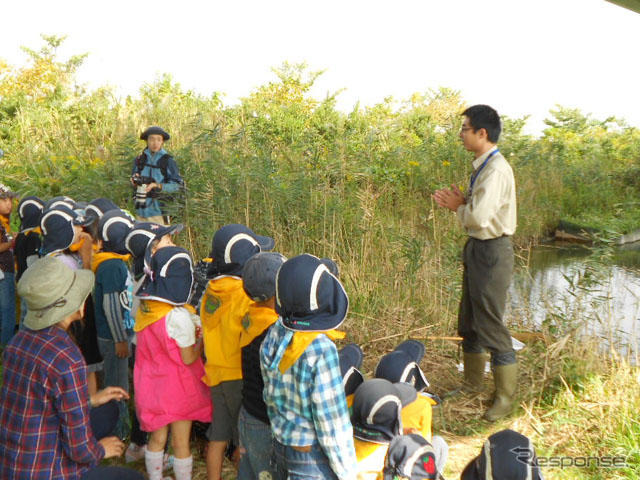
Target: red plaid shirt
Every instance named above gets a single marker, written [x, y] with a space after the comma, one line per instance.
[44, 409]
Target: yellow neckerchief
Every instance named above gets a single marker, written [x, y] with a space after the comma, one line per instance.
[33, 230]
[100, 257]
[299, 343]
[257, 320]
[74, 247]
[4, 220]
[150, 311]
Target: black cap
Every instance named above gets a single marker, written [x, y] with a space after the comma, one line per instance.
[350, 357]
[506, 454]
[377, 407]
[57, 228]
[155, 131]
[170, 277]
[60, 200]
[398, 366]
[113, 228]
[30, 211]
[410, 456]
[308, 297]
[99, 206]
[233, 245]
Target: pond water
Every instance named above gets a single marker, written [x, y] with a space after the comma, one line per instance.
[582, 291]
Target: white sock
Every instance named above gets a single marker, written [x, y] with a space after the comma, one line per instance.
[153, 461]
[182, 468]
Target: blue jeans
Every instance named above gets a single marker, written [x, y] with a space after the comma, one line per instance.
[116, 374]
[290, 464]
[7, 307]
[255, 437]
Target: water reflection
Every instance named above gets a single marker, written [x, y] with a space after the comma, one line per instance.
[572, 289]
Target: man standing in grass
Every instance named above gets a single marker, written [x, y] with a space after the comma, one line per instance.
[487, 212]
[154, 173]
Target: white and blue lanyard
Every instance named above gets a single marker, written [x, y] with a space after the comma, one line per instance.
[475, 174]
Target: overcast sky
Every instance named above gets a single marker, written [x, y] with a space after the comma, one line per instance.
[522, 57]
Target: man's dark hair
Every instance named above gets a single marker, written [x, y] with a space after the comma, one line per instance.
[483, 116]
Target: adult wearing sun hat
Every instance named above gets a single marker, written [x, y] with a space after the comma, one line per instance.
[154, 175]
[49, 429]
[301, 370]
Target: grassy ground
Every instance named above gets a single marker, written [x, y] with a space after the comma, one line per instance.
[572, 403]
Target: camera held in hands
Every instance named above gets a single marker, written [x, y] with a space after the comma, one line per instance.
[141, 184]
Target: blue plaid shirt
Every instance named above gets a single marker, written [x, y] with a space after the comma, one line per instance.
[307, 404]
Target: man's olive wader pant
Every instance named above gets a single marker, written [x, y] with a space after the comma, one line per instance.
[488, 267]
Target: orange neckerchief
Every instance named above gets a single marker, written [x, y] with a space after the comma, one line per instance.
[299, 343]
[74, 247]
[33, 230]
[4, 220]
[151, 311]
[100, 257]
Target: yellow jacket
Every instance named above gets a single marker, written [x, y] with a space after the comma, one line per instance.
[223, 307]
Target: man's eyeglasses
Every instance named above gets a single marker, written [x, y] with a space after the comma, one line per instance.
[464, 129]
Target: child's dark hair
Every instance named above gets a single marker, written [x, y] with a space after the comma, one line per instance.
[483, 116]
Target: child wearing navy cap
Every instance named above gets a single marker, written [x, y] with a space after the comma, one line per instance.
[254, 429]
[377, 419]
[301, 371]
[223, 307]
[7, 283]
[505, 454]
[402, 365]
[112, 302]
[168, 370]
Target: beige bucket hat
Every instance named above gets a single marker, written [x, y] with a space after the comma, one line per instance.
[52, 291]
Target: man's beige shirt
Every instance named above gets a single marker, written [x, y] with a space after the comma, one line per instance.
[491, 210]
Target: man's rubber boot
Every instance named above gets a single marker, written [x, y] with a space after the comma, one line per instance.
[474, 364]
[506, 380]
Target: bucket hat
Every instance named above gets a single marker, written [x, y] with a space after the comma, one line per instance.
[113, 228]
[410, 456]
[52, 291]
[350, 357]
[233, 245]
[259, 275]
[377, 407]
[141, 236]
[169, 278]
[505, 454]
[401, 365]
[308, 297]
[60, 200]
[155, 130]
[57, 228]
[30, 211]
[99, 206]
